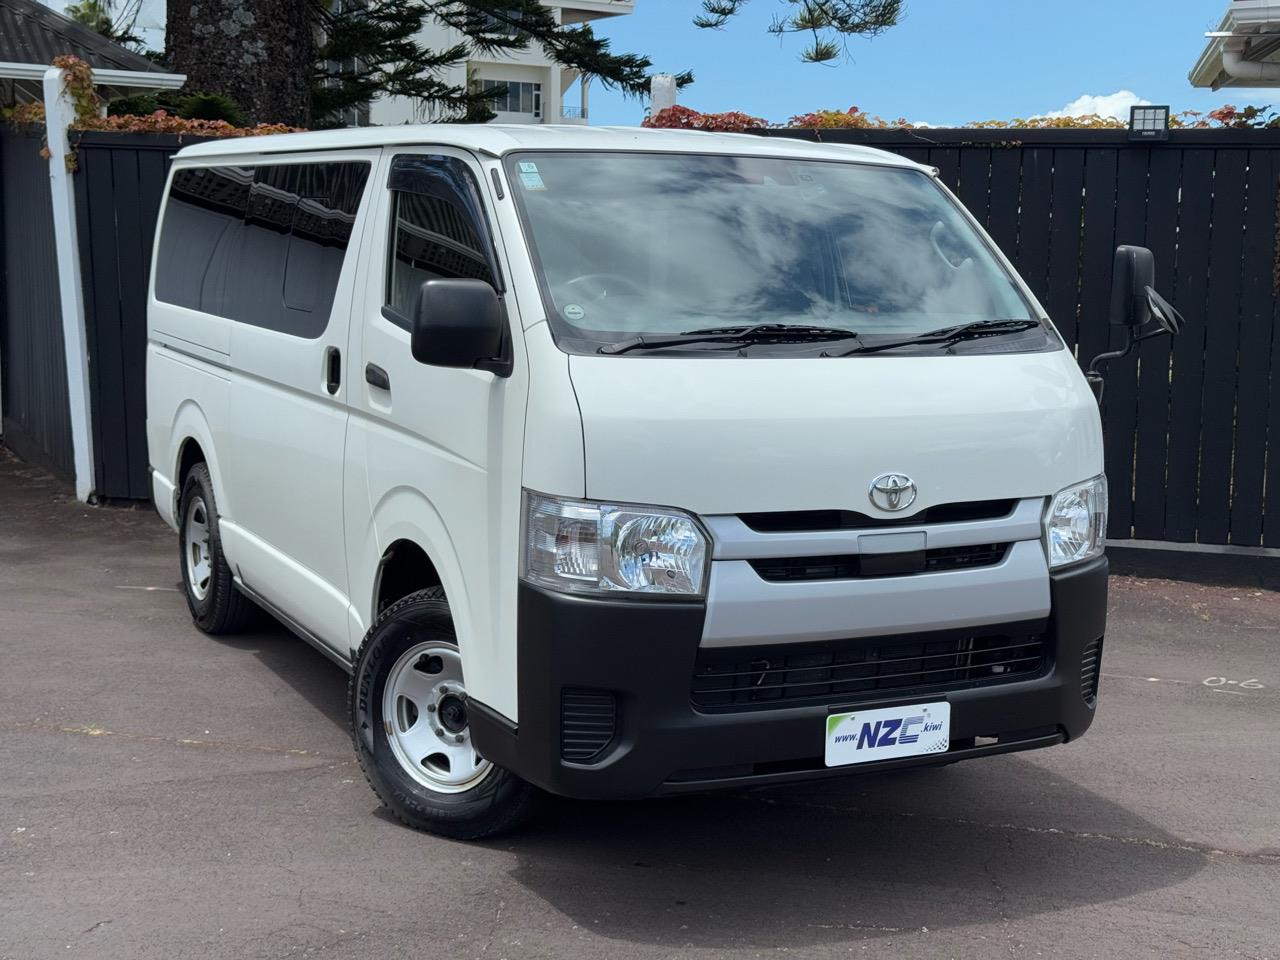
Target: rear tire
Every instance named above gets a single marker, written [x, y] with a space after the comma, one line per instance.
[408, 724]
[217, 607]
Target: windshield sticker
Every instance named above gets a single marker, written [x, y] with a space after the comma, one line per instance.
[530, 177]
[573, 311]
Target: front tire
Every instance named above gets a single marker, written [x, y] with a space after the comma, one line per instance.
[407, 701]
[217, 607]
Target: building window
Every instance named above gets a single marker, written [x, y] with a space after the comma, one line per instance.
[494, 25]
[519, 97]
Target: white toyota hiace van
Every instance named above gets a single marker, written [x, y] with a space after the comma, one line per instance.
[626, 462]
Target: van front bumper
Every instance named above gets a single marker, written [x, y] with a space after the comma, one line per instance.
[641, 656]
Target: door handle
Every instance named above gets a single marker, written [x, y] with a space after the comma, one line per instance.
[333, 368]
[375, 376]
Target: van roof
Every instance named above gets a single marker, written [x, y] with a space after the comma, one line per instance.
[500, 139]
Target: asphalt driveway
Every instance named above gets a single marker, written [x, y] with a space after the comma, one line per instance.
[164, 794]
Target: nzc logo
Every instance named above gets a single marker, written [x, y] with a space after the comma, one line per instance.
[887, 733]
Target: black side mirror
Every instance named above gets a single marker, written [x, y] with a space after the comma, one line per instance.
[1134, 274]
[460, 323]
[1134, 304]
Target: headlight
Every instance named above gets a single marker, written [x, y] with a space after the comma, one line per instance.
[1075, 526]
[581, 546]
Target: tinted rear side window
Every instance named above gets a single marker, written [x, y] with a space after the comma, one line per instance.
[263, 245]
[201, 225]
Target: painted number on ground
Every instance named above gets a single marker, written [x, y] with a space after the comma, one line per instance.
[1225, 685]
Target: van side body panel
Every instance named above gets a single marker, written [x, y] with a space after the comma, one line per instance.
[187, 399]
[441, 454]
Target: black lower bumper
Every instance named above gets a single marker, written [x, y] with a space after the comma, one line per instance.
[644, 655]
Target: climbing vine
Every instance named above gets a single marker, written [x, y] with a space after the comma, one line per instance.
[78, 78]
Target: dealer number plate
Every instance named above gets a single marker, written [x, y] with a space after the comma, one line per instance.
[889, 732]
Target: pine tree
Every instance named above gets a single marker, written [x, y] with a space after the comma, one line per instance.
[254, 51]
[829, 23]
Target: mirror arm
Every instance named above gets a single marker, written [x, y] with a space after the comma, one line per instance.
[1094, 373]
[1104, 358]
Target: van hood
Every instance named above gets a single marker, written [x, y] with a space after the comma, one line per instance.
[739, 435]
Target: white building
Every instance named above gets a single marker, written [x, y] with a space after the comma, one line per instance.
[538, 90]
[1245, 49]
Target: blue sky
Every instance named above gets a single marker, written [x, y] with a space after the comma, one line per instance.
[947, 62]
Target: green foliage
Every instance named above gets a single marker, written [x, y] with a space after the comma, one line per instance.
[210, 106]
[829, 23]
[189, 106]
[369, 49]
[96, 15]
[139, 105]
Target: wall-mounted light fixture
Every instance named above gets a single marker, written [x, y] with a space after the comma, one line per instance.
[1149, 123]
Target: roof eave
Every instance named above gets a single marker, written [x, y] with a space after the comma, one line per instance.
[1208, 66]
[28, 81]
[1241, 16]
[134, 79]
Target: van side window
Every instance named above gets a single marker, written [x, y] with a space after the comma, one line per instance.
[263, 245]
[202, 223]
[438, 230]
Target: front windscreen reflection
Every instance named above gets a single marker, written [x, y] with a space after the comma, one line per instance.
[633, 243]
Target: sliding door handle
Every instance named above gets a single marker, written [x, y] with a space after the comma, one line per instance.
[333, 370]
[375, 376]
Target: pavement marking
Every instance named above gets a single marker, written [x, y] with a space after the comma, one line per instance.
[125, 586]
[1216, 684]
[1125, 676]
[1250, 684]
[90, 731]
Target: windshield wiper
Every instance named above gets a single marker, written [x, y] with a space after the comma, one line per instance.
[946, 335]
[754, 333]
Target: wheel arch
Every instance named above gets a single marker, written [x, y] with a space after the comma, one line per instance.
[190, 442]
[409, 529]
[405, 568]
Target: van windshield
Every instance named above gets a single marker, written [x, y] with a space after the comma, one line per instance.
[645, 244]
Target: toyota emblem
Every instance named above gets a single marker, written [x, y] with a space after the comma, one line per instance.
[892, 491]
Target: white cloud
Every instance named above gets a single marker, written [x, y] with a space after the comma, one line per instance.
[1104, 105]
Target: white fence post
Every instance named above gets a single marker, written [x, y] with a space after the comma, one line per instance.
[59, 112]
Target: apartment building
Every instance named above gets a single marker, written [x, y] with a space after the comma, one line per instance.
[537, 90]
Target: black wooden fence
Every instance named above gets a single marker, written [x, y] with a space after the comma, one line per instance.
[1188, 423]
[33, 371]
[119, 185]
